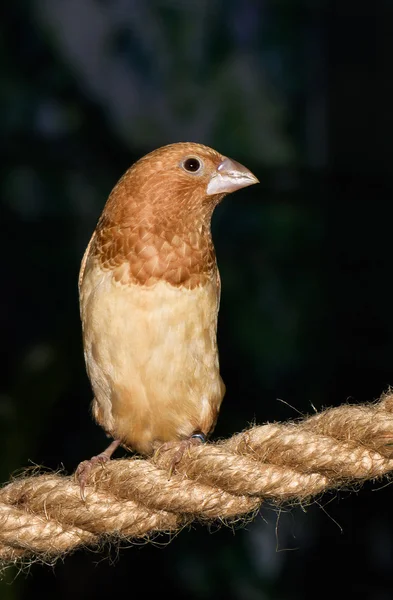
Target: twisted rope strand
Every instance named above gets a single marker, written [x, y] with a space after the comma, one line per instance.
[42, 516]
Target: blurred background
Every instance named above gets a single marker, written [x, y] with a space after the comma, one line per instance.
[299, 91]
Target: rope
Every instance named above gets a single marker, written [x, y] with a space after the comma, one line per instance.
[42, 516]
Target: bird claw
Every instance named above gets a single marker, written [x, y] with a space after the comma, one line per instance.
[185, 445]
[84, 468]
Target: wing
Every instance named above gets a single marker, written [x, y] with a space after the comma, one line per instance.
[84, 260]
[218, 289]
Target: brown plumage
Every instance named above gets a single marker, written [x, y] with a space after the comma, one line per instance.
[149, 296]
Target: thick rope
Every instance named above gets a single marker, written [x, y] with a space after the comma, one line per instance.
[42, 516]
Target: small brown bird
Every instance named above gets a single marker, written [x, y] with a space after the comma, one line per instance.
[149, 298]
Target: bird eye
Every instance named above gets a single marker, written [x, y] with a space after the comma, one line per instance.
[192, 164]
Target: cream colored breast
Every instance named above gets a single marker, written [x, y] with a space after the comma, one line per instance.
[151, 355]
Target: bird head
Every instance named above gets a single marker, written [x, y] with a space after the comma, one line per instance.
[185, 178]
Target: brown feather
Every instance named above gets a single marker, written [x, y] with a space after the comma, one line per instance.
[156, 220]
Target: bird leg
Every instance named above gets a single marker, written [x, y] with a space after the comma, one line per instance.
[84, 468]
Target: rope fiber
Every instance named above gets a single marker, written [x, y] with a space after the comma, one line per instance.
[42, 516]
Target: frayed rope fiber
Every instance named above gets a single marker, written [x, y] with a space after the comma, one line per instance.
[42, 516]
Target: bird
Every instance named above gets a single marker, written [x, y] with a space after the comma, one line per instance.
[149, 290]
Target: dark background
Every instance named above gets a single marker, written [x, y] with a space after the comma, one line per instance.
[302, 93]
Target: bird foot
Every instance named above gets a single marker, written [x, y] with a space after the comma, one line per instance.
[185, 445]
[84, 468]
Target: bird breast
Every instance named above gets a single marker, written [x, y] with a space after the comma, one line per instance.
[151, 355]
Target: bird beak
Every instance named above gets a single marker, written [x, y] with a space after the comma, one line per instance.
[229, 177]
